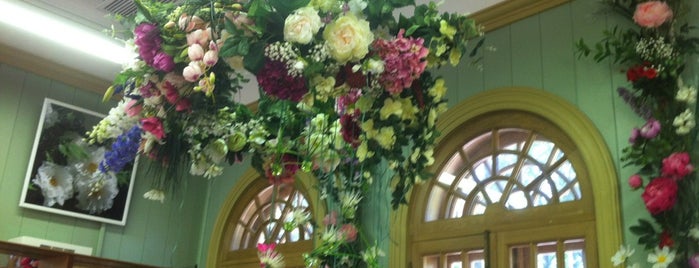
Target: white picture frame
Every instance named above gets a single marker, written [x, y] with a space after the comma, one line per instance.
[60, 184]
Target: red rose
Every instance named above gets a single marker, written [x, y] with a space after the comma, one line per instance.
[666, 240]
[660, 195]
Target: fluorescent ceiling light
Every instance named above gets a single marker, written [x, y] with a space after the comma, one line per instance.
[63, 32]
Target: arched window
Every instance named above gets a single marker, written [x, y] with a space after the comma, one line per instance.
[522, 179]
[255, 213]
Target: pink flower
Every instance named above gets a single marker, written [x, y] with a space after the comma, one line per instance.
[288, 166]
[677, 165]
[262, 247]
[163, 62]
[694, 261]
[404, 61]
[660, 195]
[193, 71]
[635, 181]
[650, 129]
[330, 219]
[652, 14]
[195, 52]
[349, 232]
[635, 132]
[199, 36]
[133, 108]
[153, 126]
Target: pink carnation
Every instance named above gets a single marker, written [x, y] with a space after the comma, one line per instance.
[652, 14]
[153, 126]
[660, 195]
[349, 127]
[133, 108]
[677, 165]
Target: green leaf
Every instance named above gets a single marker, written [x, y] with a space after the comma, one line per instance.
[144, 10]
[411, 30]
[285, 7]
[253, 61]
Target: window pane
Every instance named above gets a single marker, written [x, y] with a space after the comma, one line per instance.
[574, 253]
[519, 256]
[430, 261]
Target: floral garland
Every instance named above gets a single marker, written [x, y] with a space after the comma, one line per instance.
[345, 91]
[654, 54]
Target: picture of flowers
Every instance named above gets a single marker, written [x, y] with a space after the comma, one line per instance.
[68, 176]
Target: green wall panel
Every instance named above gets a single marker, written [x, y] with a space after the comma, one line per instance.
[150, 226]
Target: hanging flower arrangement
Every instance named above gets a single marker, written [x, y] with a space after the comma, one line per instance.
[345, 90]
[654, 53]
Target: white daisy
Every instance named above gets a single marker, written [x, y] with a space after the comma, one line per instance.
[56, 183]
[621, 255]
[661, 258]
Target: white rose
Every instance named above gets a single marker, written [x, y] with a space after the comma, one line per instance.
[348, 38]
[300, 26]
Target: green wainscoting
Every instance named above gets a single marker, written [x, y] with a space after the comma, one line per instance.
[157, 234]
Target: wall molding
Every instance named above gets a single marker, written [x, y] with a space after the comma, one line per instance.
[510, 11]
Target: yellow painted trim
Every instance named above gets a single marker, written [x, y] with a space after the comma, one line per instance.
[574, 123]
[303, 181]
[510, 11]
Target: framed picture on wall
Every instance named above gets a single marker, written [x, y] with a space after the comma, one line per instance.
[64, 174]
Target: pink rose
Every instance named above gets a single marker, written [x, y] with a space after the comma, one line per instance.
[652, 14]
[694, 261]
[154, 126]
[349, 232]
[677, 165]
[660, 195]
[635, 181]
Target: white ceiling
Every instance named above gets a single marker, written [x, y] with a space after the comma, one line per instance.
[92, 15]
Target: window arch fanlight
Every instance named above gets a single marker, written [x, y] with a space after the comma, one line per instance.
[573, 189]
[244, 221]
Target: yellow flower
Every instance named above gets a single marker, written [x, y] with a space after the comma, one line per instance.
[363, 152]
[409, 110]
[438, 90]
[324, 87]
[368, 127]
[446, 29]
[390, 107]
[386, 137]
[455, 56]
[348, 38]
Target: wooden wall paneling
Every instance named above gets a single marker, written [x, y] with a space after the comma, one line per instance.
[34, 223]
[11, 83]
[470, 75]
[132, 240]
[112, 241]
[526, 53]
[558, 58]
[593, 82]
[187, 217]
[497, 64]
[153, 245]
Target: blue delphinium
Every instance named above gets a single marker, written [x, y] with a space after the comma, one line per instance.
[124, 150]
